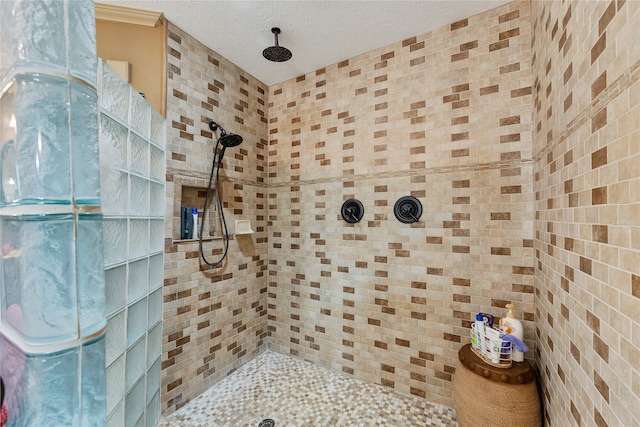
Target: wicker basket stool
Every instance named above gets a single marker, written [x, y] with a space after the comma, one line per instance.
[487, 396]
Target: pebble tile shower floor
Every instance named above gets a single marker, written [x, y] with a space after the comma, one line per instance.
[296, 393]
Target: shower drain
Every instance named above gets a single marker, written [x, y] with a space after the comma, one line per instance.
[267, 422]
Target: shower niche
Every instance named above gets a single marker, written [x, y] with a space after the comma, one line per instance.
[190, 193]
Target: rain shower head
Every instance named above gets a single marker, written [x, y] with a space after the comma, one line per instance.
[226, 139]
[277, 53]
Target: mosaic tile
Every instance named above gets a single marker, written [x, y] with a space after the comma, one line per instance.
[296, 393]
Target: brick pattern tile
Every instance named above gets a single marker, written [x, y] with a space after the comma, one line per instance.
[199, 349]
[445, 117]
[517, 130]
[587, 199]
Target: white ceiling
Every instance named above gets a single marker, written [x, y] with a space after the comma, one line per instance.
[319, 33]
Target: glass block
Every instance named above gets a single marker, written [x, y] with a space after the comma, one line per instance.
[90, 273]
[153, 411]
[42, 389]
[156, 237]
[116, 341]
[115, 384]
[116, 418]
[156, 199]
[115, 241]
[113, 143]
[115, 94]
[93, 395]
[115, 189]
[156, 271]
[134, 404]
[84, 143]
[7, 53]
[136, 363]
[157, 167]
[154, 378]
[1, 274]
[138, 155]
[12, 370]
[141, 421]
[139, 196]
[155, 307]
[115, 289]
[136, 321]
[154, 343]
[138, 238]
[138, 279]
[157, 129]
[82, 40]
[39, 300]
[33, 35]
[9, 190]
[43, 151]
[140, 114]
[99, 72]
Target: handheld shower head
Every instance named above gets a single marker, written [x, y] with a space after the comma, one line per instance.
[226, 139]
[230, 140]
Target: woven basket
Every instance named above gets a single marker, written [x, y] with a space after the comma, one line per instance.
[484, 402]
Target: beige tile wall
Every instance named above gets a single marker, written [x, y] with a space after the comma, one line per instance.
[446, 117]
[587, 191]
[214, 319]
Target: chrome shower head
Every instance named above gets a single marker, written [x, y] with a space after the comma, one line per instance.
[277, 53]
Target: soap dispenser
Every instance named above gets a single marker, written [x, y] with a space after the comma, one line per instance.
[512, 326]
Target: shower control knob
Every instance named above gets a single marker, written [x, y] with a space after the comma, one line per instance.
[352, 211]
[408, 209]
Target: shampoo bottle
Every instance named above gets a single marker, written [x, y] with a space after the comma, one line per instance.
[512, 326]
[186, 226]
[478, 332]
[194, 212]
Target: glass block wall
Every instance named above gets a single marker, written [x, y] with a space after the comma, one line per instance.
[132, 167]
[52, 318]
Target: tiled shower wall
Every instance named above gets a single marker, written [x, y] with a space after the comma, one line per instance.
[445, 117]
[214, 319]
[587, 190]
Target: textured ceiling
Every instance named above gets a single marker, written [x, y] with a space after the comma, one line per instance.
[319, 33]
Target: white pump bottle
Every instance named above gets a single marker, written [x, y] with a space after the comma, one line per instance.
[512, 326]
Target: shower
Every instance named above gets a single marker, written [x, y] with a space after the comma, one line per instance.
[226, 140]
[277, 53]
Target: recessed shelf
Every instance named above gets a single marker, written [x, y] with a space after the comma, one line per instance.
[191, 193]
